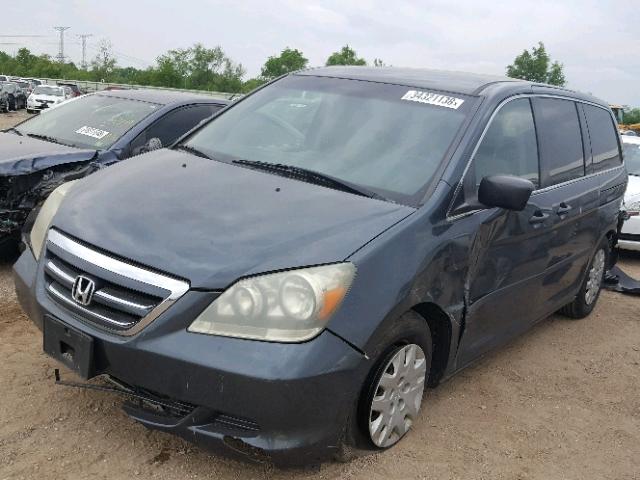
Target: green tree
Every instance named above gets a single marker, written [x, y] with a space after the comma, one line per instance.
[104, 63]
[252, 84]
[199, 67]
[289, 60]
[537, 67]
[346, 56]
[631, 116]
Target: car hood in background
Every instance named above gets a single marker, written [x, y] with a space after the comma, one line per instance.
[211, 222]
[633, 189]
[21, 155]
[45, 98]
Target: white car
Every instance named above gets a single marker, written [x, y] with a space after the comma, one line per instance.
[630, 235]
[45, 96]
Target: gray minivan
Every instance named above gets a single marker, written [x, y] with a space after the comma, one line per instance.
[288, 278]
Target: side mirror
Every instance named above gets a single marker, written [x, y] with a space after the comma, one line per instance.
[505, 191]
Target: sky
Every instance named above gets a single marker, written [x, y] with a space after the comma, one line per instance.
[597, 41]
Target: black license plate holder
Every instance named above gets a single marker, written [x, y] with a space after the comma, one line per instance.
[71, 347]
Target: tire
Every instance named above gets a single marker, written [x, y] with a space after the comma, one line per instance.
[29, 110]
[8, 249]
[589, 292]
[409, 333]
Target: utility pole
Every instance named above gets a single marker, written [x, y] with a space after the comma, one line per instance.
[61, 56]
[84, 37]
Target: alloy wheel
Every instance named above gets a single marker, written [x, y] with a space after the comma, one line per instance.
[594, 280]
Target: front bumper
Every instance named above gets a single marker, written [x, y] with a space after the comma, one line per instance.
[289, 402]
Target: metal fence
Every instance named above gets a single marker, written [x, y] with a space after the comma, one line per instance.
[90, 87]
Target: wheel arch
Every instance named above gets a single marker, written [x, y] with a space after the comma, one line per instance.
[441, 333]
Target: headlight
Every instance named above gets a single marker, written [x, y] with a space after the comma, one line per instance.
[43, 220]
[291, 306]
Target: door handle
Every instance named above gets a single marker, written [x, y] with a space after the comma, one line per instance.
[563, 209]
[538, 218]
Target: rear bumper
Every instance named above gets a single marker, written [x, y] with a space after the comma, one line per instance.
[289, 402]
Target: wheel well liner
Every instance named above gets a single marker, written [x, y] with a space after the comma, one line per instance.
[440, 326]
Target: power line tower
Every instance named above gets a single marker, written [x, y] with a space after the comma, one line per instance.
[84, 37]
[61, 56]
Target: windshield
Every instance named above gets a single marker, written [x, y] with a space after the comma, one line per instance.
[364, 133]
[94, 121]
[57, 92]
[9, 87]
[632, 157]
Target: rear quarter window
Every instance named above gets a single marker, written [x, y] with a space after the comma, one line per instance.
[560, 138]
[604, 138]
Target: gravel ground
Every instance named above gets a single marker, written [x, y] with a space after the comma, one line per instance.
[560, 402]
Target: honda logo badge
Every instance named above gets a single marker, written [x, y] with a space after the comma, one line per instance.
[83, 290]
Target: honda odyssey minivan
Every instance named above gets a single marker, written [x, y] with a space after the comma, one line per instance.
[286, 280]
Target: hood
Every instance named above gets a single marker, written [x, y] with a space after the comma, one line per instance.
[212, 223]
[633, 188]
[21, 155]
[52, 98]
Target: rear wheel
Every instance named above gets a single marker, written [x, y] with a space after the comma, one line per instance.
[587, 297]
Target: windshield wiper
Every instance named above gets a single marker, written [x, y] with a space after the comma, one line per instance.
[47, 138]
[310, 176]
[15, 130]
[193, 150]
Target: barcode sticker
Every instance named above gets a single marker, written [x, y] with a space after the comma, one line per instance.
[433, 99]
[92, 132]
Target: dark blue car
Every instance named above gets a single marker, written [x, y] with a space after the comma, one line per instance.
[286, 280]
[83, 135]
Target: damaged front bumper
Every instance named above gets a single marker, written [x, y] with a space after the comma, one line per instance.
[288, 403]
[22, 194]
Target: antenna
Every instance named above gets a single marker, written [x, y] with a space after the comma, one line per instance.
[61, 56]
[84, 37]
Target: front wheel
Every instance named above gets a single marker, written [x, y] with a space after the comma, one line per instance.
[391, 396]
[587, 297]
[397, 395]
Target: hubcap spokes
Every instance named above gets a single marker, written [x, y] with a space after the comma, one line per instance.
[398, 395]
[595, 277]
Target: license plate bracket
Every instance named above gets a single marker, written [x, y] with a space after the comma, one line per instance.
[69, 346]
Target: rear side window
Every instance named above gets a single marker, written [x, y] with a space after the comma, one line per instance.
[604, 138]
[509, 146]
[561, 152]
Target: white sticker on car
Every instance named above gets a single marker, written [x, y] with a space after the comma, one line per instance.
[92, 132]
[433, 99]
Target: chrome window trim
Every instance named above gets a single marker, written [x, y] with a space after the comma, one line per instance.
[177, 288]
[459, 185]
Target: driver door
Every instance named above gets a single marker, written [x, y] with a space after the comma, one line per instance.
[509, 250]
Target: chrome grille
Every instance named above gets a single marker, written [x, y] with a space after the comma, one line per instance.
[126, 297]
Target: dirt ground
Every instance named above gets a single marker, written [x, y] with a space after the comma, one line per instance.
[561, 402]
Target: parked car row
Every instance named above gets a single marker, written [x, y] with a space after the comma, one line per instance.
[18, 93]
[286, 278]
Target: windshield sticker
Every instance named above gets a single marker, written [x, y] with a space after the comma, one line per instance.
[433, 99]
[92, 132]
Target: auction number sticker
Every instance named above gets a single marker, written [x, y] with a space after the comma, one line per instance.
[92, 132]
[433, 99]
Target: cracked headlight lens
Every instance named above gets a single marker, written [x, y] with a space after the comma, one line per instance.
[291, 306]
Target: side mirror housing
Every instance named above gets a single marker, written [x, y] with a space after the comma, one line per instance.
[505, 191]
